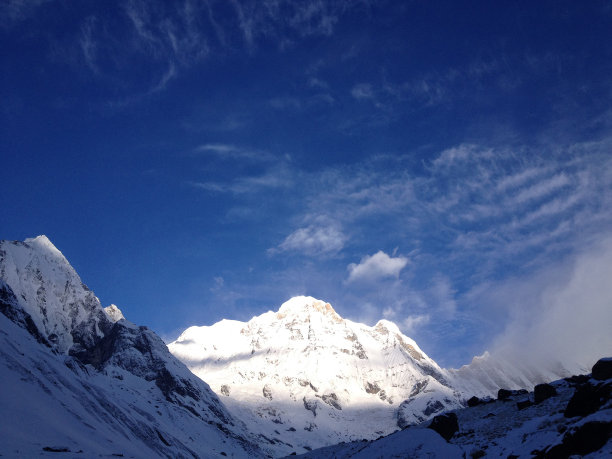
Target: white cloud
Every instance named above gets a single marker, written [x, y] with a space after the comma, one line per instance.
[411, 323]
[376, 267]
[362, 91]
[463, 153]
[562, 314]
[443, 296]
[314, 240]
[519, 178]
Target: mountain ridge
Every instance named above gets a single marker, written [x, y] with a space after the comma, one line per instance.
[63, 353]
[269, 372]
[289, 380]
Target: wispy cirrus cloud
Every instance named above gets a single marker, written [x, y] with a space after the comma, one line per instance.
[233, 152]
[286, 21]
[15, 11]
[362, 91]
[169, 32]
[165, 39]
[320, 239]
[485, 211]
[412, 323]
[278, 176]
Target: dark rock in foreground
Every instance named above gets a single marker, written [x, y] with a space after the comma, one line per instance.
[521, 405]
[585, 439]
[445, 424]
[588, 399]
[542, 392]
[506, 394]
[602, 370]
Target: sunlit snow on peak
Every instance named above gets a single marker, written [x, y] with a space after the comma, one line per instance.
[44, 245]
[300, 305]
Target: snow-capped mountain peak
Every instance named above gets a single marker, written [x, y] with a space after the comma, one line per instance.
[63, 309]
[62, 353]
[312, 373]
[42, 242]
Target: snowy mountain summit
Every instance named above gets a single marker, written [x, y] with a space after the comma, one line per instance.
[80, 378]
[316, 377]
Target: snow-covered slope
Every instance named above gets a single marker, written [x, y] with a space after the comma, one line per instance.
[78, 377]
[305, 377]
[571, 417]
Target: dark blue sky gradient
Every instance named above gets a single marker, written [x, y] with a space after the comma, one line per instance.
[171, 149]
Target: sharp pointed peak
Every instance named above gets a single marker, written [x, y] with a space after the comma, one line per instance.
[42, 242]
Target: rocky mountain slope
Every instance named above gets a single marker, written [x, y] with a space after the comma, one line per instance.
[80, 378]
[571, 417]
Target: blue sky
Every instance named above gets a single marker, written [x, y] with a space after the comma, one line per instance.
[439, 164]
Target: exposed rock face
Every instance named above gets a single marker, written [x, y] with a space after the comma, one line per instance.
[331, 400]
[372, 388]
[445, 424]
[310, 405]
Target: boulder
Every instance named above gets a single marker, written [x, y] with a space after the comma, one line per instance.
[542, 392]
[602, 370]
[506, 394]
[586, 438]
[521, 405]
[474, 401]
[587, 399]
[445, 424]
[577, 380]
